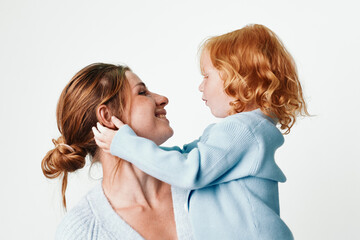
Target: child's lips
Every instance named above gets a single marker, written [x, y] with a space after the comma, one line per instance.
[205, 100]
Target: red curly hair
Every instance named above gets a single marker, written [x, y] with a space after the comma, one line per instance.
[258, 70]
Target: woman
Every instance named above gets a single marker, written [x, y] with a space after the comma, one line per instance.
[128, 204]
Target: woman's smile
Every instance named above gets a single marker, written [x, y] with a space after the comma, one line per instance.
[161, 114]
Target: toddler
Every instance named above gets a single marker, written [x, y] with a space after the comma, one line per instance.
[250, 80]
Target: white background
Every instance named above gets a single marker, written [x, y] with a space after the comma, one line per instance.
[44, 43]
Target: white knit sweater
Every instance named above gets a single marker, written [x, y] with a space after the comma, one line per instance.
[94, 218]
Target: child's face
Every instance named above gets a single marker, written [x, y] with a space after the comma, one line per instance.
[212, 88]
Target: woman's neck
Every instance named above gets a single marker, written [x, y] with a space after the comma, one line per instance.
[126, 186]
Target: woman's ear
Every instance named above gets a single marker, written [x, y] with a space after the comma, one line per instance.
[103, 115]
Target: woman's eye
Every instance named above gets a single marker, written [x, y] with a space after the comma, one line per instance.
[144, 92]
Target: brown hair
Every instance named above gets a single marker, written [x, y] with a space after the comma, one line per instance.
[94, 85]
[257, 69]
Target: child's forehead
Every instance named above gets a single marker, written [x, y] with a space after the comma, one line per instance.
[206, 64]
[209, 70]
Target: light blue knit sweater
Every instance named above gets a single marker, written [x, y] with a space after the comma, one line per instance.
[231, 170]
[93, 218]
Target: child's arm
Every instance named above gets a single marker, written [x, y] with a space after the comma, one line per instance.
[106, 135]
[224, 151]
[186, 148]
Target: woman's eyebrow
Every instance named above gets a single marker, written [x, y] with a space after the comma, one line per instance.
[140, 84]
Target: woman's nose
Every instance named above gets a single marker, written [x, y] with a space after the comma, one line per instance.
[161, 100]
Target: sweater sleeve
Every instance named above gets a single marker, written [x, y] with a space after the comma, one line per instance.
[226, 145]
[186, 148]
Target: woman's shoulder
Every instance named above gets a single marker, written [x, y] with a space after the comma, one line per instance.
[94, 218]
[77, 223]
[81, 222]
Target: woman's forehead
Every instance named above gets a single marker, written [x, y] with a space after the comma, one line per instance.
[133, 79]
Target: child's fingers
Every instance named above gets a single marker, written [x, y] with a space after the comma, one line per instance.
[99, 143]
[97, 135]
[96, 132]
[118, 123]
[100, 127]
[102, 145]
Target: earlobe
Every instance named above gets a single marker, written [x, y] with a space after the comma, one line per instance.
[103, 115]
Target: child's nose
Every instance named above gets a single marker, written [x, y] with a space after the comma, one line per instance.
[201, 86]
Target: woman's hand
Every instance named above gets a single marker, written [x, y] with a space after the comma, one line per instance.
[103, 136]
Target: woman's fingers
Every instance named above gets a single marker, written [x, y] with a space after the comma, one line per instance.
[117, 122]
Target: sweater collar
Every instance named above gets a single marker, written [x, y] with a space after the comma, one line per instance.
[108, 218]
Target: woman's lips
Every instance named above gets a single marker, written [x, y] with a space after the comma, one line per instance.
[161, 113]
[161, 116]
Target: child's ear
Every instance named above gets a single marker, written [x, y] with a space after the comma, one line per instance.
[103, 115]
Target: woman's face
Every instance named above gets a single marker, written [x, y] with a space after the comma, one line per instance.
[147, 114]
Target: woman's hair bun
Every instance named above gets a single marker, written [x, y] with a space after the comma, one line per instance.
[63, 158]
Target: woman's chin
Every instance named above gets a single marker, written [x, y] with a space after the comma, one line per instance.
[164, 136]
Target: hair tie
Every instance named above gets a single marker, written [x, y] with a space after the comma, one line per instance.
[67, 146]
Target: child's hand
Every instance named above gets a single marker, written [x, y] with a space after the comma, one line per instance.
[103, 136]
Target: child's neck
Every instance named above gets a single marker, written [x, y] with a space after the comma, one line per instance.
[250, 107]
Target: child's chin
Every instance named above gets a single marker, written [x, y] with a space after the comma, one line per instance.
[219, 114]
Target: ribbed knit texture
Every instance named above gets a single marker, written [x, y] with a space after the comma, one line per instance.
[231, 171]
[94, 219]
